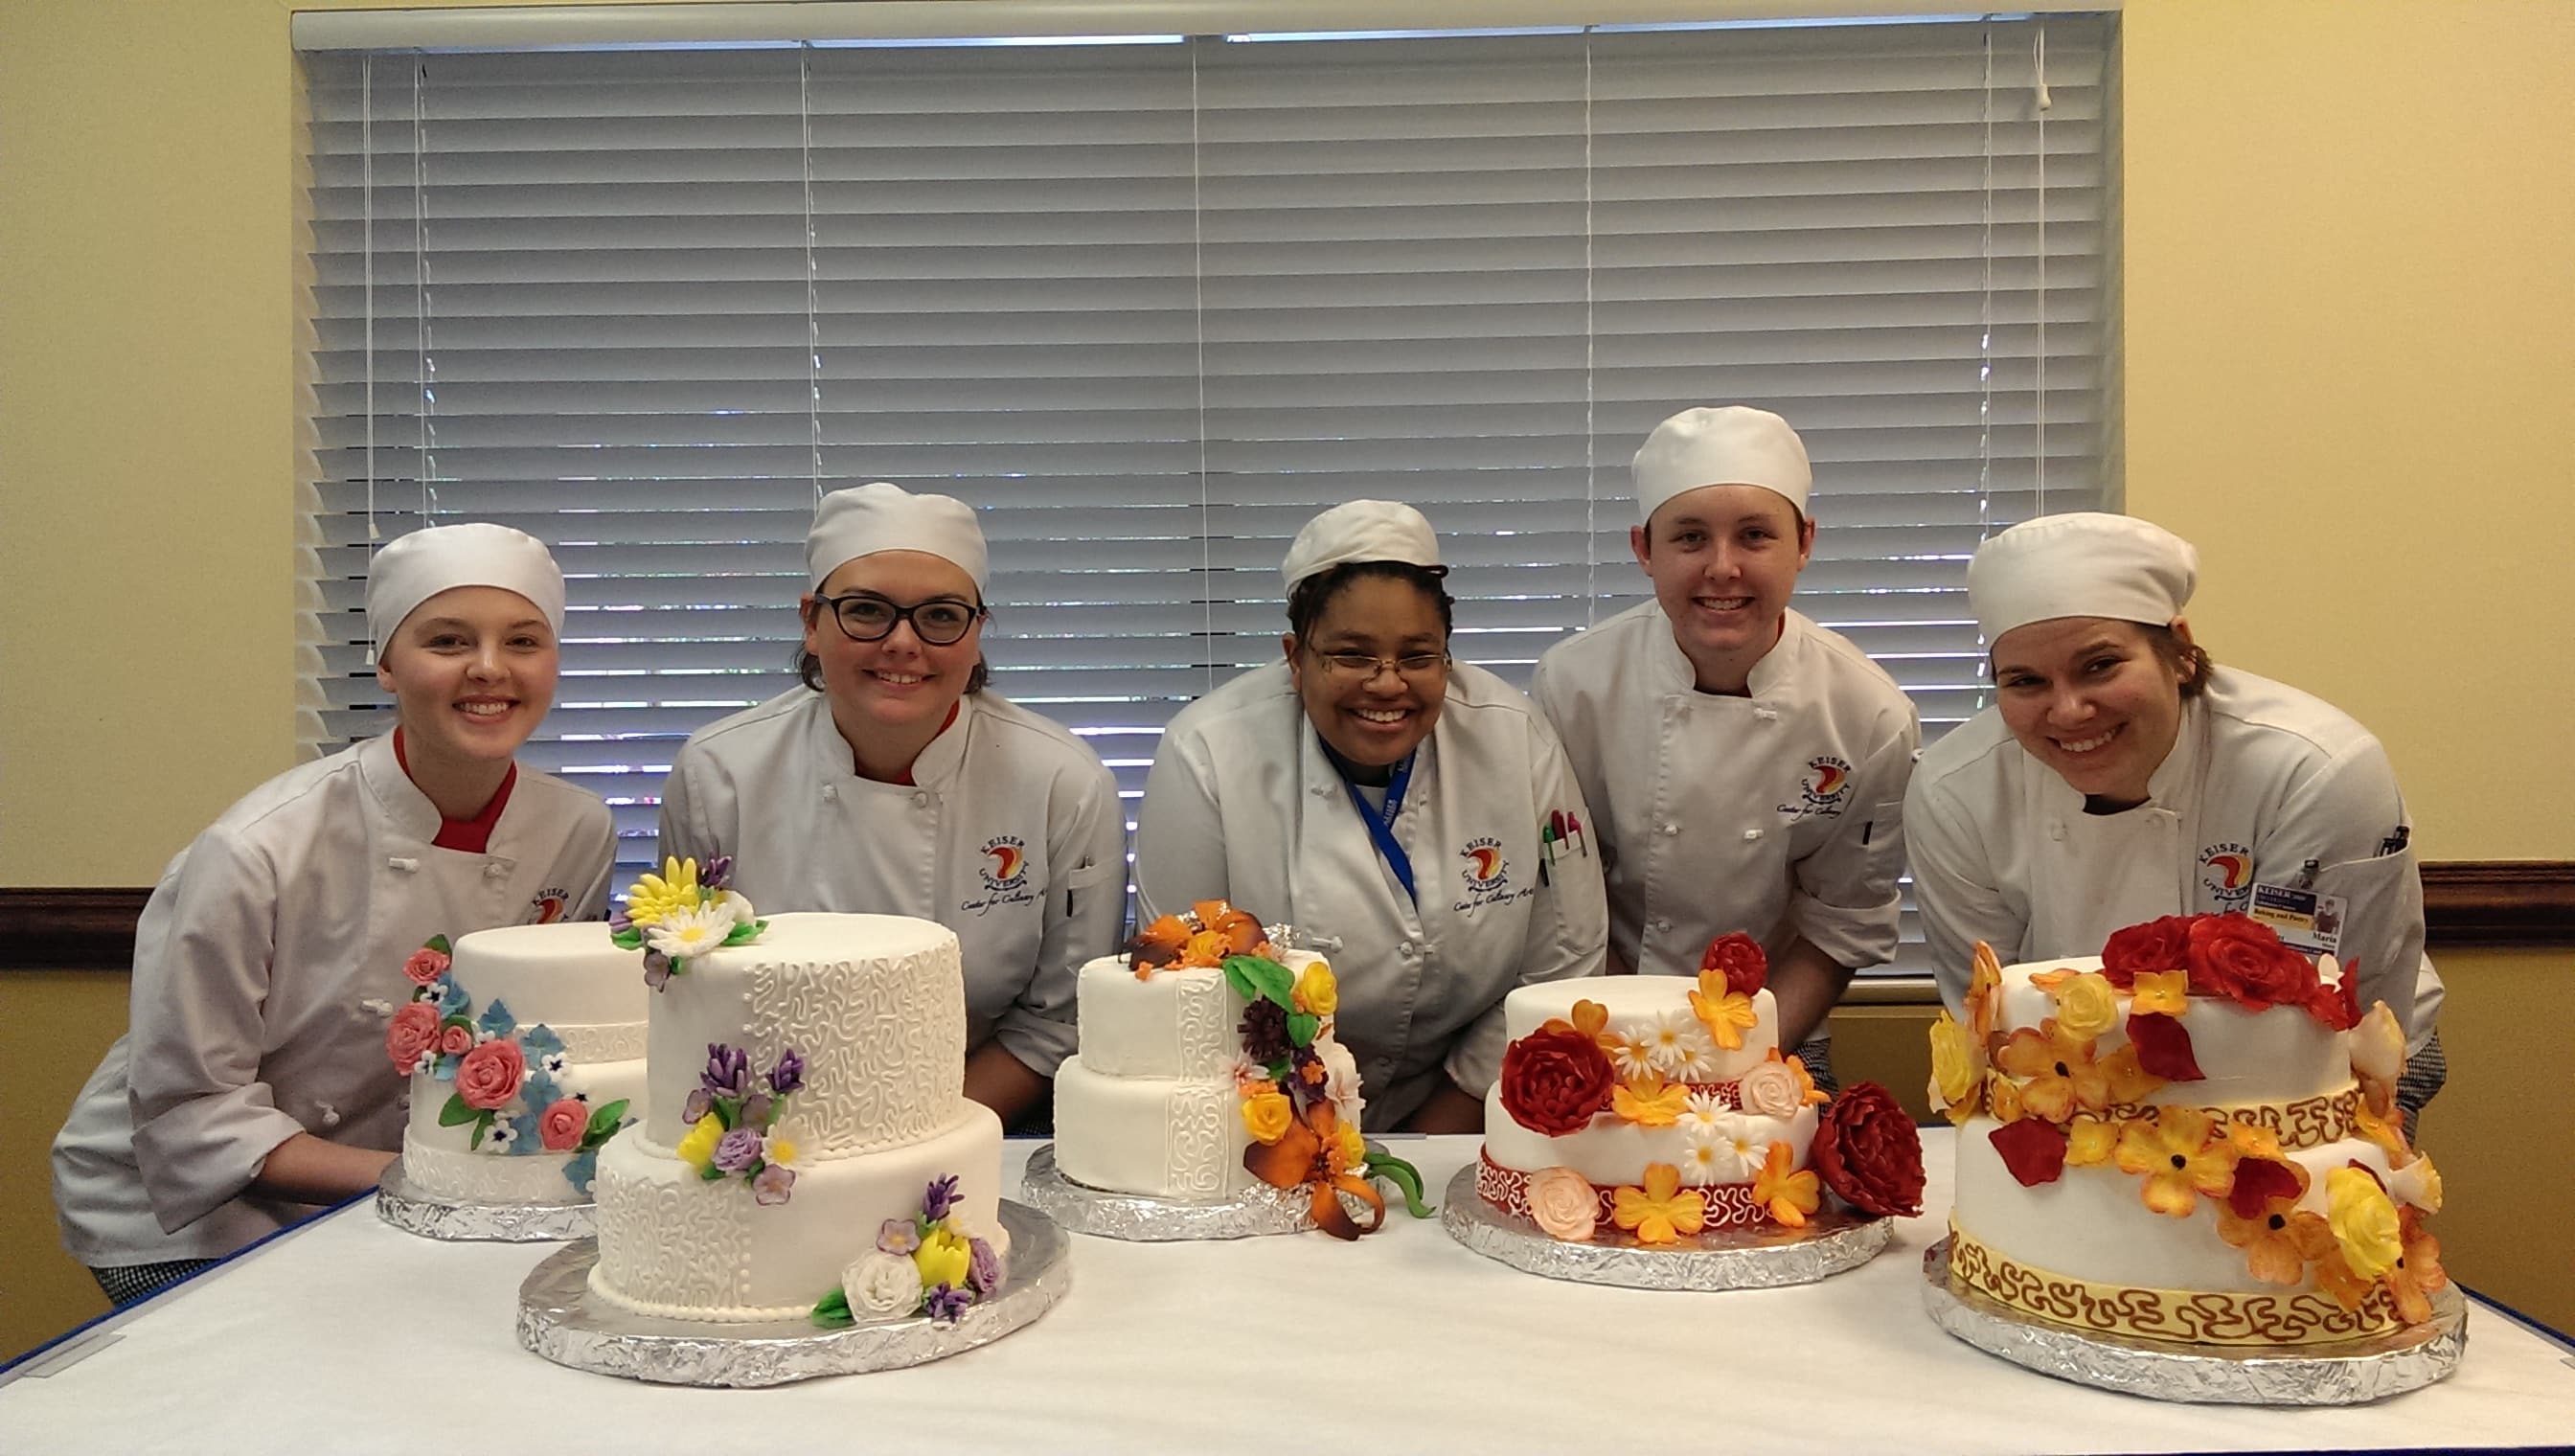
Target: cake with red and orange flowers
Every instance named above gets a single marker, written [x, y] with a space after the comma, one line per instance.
[1654, 1110]
[2192, 1136]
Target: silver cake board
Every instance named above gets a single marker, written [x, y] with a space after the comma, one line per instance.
[2347, 1372]
[561, 1318]
[1764, 1257]
[1258, 1210]
[405, 1206]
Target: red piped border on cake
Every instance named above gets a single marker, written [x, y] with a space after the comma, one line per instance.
[1729, 1205]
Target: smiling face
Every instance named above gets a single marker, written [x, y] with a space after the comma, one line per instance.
[897, 685]
[1723, 560]
[1375, 718]
[472, 670]
[2091, 698]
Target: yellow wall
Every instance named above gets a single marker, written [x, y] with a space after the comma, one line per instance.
[2350, 243]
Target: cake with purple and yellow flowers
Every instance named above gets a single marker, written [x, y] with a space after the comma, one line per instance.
[2190, 1137]
[805, 1148]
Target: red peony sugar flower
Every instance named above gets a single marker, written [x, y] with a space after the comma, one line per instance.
[2033, 1150]
[2159, 944]
[489, 1076]
[1554, 1081]
[2241, 958]
[1741, 959]
[1869, 1152]
[413, 1030]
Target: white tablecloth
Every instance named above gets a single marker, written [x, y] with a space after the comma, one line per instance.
[349, 1335]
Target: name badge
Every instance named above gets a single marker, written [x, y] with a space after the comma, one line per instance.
[2303, 919]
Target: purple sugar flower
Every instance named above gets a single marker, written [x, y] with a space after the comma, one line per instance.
[982, 1268]
[700, 1103]
[728, 1072]
[717, 872]
[618, 925]
[898, 1236]
[772, 1184]
[789, 1074]
[739, 1151]
[755, 1109]
[948, 1303]
[656, 969]
[939, 1198]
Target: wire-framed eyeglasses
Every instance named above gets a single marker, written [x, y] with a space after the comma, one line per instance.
[867, 616]
[1363, 667]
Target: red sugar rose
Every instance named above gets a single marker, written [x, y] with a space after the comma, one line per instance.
[2241, 958]
[2155, 945]
[489, 1075]
[413, 1030]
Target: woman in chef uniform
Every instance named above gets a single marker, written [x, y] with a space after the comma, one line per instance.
[1745, 768]
[1391, 804]
[893, 783]
[251, 1084]
[2121, 776]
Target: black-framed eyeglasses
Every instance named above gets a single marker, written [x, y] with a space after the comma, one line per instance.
[867, 616]
[1364, 666]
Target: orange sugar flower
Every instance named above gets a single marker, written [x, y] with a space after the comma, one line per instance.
[1303, 1157]
[1650, 1101]
[2002, 1097]
[2176, 1150]
[2059, 1069]
[1789, 1196]
[2049, 980]
[1807, 1092]
[1727, 1014]
[2129, 1081]
[2253, 1140]
[2418, 1271]
[2335, 1278]
[2280, 1243]
[2090, 1141]
[1663, 1210]
[2386, 1131]
[2167, 991]
[1984, 993]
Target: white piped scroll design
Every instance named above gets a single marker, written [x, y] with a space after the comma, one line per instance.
[1197, 1150]
[1206, 1039]
[612, 1041]
[478, 1177]
[884, 1044]
[672, 1246]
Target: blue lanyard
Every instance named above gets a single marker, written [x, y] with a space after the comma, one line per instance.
[1380, 824]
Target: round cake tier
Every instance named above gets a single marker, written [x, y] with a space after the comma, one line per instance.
[2278, 1054]
[1613, 1152]
[570, 977]
[1637, 1005]
[441, 1162]
[1177, 1022]
[679, 1246]
[2092, 1222]
[874, 1007]
[1161, 1138]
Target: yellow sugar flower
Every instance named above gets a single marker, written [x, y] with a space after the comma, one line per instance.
[2167, 991]
[2386, 1131]
[2002, 1097]
[697, 1148]
[2086, 1006]
[1350, 1149]
[1727, 1014]
[2363, 1218]
[1650, 1101]
[2180, 1157]
[2253, 1140]
[1789, 1196]
[2057, 1069]
[1957, 1065]
[943, 1258]
[2090, 1141]
[1663, 1210]
[656, 895]
[2129, 1079]
[1317, 995]
[1266, 1115]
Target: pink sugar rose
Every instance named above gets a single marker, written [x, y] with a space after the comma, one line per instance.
[1564, 1204]
[426, 965]
[489, 1076]
[560, 1127]
[1770, 1089]
[413, 1030]
[456, 1041]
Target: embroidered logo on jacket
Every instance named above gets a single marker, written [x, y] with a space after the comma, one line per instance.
[1007, 865]
[1486, 875]
[548, 905]
[2226, 872]
[1822, 789]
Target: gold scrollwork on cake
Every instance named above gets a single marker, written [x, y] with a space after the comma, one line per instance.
[2197, 1317]
[2307, 1122]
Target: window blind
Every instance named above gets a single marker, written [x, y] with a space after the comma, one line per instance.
[1150, 305]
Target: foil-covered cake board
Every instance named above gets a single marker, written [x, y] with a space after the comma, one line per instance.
[1832, 1241]
[561, 1319]
[2348, 1373]
[1081, 1208]
[405, 1206]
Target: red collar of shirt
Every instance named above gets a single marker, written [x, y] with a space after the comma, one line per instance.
[473, 835]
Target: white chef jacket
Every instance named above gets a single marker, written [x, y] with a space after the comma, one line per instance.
[266, 965]
[1777, 813]
[1242, 806]
[1010, 835]
[2261, 779]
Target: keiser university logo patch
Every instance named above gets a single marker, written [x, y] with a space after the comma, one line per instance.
[2226, 872]
[1005, 870]
[548, 905]
[1822, 789]
[1486, 875]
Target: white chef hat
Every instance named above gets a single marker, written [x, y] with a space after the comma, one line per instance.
[2083, 564]
[863, 520]
[1361, 531]
[1729, 445]
[414, 568]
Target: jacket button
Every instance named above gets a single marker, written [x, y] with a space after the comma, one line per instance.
[1662, 924]
[921, 801]
[830, 792]
[1672, 829]
[1751, 835]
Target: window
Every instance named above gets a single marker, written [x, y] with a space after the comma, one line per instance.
[1150, 305]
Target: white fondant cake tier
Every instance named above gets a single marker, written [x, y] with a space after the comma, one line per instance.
[1634, 1002]
[676, 1245]
[576, 982]
[2280, 1055]
[2093, 1222]
[873, 1005]
[1165, 1137]
[1178, 1022]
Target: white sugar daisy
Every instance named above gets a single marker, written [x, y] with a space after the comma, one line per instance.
[694, 931]
[1703, 1165]
[1703, 1120]
[1670, 1039]
[1738, 1148]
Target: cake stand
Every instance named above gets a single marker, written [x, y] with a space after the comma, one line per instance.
[1258, 1210]
[409, 1208]
[1833, 1240]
